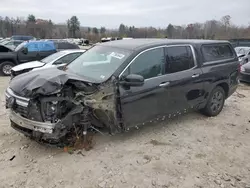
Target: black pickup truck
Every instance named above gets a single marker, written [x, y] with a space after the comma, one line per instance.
[29, 51]
[25, 52]
[122, 84]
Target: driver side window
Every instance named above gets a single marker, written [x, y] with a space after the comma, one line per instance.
[149, 64]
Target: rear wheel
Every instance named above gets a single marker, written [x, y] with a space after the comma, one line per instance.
[215, 102]
[5, 68]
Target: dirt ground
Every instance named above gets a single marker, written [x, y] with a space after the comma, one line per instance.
[186, 152]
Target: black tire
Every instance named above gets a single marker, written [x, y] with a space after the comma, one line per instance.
[215, 102]
[5, 68]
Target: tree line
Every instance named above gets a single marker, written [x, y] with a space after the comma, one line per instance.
[39, 28]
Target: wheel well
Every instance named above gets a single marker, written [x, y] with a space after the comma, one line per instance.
[225, 88]
[10, 60]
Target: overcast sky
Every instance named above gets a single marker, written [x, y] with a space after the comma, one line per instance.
[110, 13]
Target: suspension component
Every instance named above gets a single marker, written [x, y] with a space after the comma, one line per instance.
[86, 124]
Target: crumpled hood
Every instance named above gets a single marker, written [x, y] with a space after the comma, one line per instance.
[46, 82]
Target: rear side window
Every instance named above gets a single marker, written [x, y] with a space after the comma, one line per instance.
[216, 52]
[178, 58]
[43, 46]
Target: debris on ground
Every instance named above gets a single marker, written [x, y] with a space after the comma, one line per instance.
[11, 159]
[158, 143]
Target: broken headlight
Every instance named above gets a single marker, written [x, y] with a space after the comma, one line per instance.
[51, 111]
[55, 108]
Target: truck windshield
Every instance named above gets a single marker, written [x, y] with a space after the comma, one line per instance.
[99, 62]
[53, 57]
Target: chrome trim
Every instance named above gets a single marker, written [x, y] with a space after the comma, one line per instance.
[22, 101]
[164, 46]
[32, 125]
[16, 96]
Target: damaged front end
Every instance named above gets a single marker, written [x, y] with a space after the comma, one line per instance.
[61, 108]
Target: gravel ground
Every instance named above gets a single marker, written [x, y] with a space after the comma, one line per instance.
[189, 151]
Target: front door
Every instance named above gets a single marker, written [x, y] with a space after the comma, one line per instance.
[141, 104]
[33, 53]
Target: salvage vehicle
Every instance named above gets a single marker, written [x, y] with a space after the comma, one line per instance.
[123, 84]
[63, 45]
[243, 54]
[245, 73]
[60, 58]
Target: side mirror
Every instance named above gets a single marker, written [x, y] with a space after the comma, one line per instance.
[61, 67]
[25, 50]
[133, 80]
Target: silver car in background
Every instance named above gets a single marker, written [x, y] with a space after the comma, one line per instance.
[243, 54]
[57, 59]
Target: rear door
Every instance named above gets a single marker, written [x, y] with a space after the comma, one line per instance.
[220, 66]
[182, 81]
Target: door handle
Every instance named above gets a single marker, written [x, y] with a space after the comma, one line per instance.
[195, 75]
[164, 84]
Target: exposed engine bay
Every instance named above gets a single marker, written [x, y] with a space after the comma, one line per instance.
[72, 108]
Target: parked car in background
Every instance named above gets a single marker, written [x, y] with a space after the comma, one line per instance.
[243, 53]
[25, 52]
[22, 37]
[12, 43]
[108, 39]
[121, 84]
[240, 42]
[245, 73]
[31, 51]
[63, 45]
[4, 40]
[60, 58]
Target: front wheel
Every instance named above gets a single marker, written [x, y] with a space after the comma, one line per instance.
[215, 102]
[5, 68]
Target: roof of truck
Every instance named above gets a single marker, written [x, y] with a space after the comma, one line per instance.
[135, 44]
